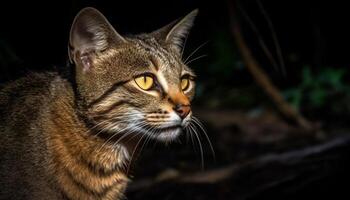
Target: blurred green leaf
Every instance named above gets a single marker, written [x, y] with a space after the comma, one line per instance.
[293, 96]
[318, 97]
[306, 77]
[317, 88]
[333, 77]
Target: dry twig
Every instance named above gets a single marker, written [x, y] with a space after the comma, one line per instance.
[262, 78]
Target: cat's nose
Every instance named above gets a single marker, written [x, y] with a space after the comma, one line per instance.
[182, 110]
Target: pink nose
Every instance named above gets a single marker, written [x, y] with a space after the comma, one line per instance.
[182, 110]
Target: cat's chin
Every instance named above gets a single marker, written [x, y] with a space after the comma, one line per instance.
[164, 134]
[169, 134]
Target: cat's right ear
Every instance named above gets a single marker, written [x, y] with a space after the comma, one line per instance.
[90, 34]
[175, 33]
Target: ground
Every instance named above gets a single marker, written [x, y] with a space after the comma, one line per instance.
[258, 156]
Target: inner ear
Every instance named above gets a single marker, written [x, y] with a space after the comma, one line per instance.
[86, 61]
[90, 34]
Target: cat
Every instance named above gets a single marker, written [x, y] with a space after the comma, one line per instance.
[71, 137]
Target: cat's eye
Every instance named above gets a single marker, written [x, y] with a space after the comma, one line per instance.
[185, 83]
[145, 82]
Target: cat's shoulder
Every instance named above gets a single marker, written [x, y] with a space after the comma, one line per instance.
[29, 91]
[32, 80]
[33, 83]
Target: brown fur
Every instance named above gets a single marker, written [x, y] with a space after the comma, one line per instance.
[73, 138]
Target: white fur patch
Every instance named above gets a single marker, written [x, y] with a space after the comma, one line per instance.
[169, 136]
[174, 118]
[162, 81]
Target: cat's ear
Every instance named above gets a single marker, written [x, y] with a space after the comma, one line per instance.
[90, 34]
[175, 33]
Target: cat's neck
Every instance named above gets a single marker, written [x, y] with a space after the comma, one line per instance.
[85, 164]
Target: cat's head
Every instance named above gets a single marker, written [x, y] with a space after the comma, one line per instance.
[136, 84]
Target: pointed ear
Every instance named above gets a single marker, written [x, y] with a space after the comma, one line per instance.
[175, 32]
[90, 34]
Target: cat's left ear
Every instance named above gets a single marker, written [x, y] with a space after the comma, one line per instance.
[91, 33]
[175, 33]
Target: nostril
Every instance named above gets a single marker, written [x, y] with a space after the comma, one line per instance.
[177, 108]
[182, 110]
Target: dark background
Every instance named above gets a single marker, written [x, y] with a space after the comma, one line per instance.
[314, 32]
[314, 40]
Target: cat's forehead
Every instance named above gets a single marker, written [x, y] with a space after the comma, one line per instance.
[157, 51]
[157, 56]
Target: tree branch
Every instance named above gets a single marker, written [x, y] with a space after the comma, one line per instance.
[262, 78]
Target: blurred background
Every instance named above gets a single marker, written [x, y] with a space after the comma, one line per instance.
[272, 92]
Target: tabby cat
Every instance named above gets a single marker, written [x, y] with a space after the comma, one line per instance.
[70, 137]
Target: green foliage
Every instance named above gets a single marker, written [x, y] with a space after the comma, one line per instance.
[316, 89]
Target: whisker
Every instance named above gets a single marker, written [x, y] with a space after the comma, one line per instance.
[193, 52]
[200, 146]
[151, 133]
[120, 116]
[114, 118]
[202, 56]
[192, 140]
[113, 135]
[106, 125]
[196, 121]
[135, 148]
[106, 142]
[126, 118]
[132, 130]
[187, 134]
[91, 129]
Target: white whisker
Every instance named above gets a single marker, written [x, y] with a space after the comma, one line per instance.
[193, 52]
[196, 58]
[200, 145]
[196, 121]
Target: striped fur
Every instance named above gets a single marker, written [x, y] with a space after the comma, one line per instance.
[74, 137]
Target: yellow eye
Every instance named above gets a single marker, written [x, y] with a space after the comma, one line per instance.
[145, 82]
[185, 83]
